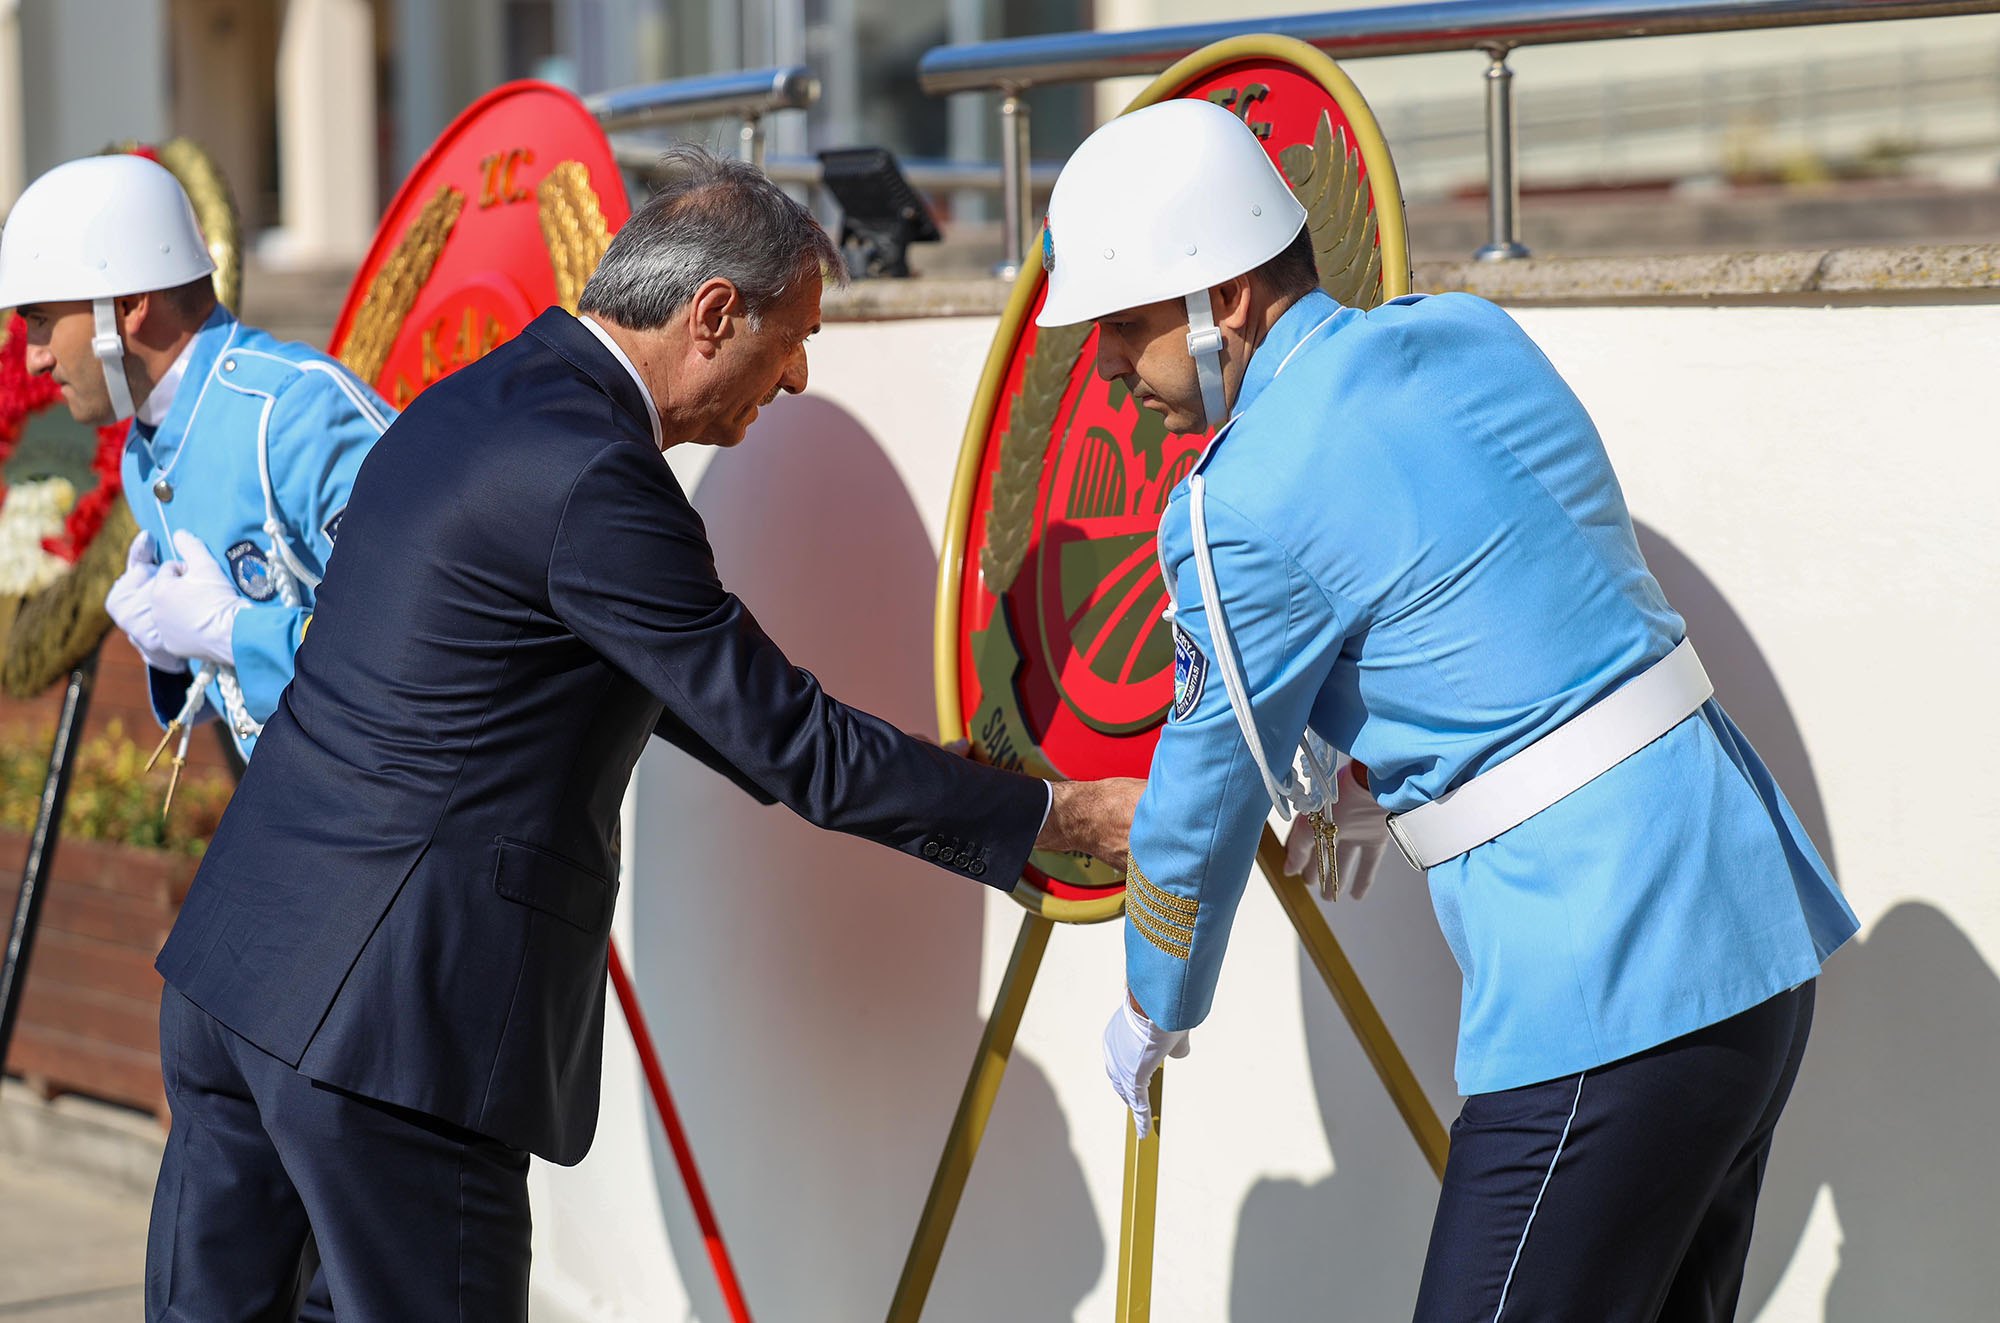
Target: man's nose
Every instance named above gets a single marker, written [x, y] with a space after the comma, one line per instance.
[40, 359]
[1111, 363]
[794, 380]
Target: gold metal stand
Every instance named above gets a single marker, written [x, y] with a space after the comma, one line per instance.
[968, 1127]
[1355, 1003]
[1142, 1156]
[1135, 1219]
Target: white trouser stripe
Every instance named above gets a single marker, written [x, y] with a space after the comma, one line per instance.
[1546, 1177]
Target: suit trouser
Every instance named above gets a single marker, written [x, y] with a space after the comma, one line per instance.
[415, 1219]
[1625, 1194]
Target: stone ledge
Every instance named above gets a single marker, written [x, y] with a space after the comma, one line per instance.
[1955, 273]
[1945, 273]
[112, 1145]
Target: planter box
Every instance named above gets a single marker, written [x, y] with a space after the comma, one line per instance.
[89, 1020]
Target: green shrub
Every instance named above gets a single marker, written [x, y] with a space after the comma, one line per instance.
[111, 795]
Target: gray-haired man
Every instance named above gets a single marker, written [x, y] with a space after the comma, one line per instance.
[376, 1011]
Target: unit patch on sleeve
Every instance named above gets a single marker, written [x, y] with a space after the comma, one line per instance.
[1190, 673]
[251, 571]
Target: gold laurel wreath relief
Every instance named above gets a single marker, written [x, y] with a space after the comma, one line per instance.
[1326, 178]
[393, 291]
[1018, 476]
[573, 227]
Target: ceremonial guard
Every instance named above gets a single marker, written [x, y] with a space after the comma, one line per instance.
[242, 448]
[1406, 544]
[239, 459]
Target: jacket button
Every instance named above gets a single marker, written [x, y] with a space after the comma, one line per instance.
[930, 849]
[978, 868]
[228, 365]
[948, 859]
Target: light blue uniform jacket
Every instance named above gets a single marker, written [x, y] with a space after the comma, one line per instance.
[319, 422]
[1424, 555]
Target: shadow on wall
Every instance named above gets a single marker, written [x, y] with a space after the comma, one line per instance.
[1890, 1112]
[1351, 1246]
[816, 997]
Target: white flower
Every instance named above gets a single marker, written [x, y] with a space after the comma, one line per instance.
[32, 511]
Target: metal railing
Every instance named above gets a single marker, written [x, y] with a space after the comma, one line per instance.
[1495, 27]
[927, 174]
[747, 94]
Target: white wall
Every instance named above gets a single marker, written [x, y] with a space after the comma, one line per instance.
[92, 72]
[1815, 489]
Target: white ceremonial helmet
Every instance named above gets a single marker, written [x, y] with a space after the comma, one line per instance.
[1113, 242]
[101, 228]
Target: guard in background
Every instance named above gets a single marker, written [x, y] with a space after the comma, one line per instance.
[242, 448]
[239, 459]
[1406, 544]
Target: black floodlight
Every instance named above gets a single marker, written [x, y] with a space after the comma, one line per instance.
[881, 215]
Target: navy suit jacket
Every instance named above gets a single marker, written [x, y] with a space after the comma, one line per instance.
[411, 894]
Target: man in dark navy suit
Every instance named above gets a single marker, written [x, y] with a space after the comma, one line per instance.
[386, 988]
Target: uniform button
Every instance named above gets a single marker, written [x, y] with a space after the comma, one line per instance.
[978, 868]
[930, 849]
[948, 859]
[228, 365]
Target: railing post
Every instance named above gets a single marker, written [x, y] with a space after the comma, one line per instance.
[1503, 186]
[750, 140]
[1016, 203]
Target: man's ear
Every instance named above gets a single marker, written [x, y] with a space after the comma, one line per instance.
[1231, 300]
[711, 313]
[132, 311]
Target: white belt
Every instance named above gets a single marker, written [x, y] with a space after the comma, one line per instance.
[1565, 760]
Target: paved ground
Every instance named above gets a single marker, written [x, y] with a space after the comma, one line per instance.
[72, 1248]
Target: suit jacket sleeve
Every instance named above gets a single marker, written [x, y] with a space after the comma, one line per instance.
[632, 574]
[679, 734]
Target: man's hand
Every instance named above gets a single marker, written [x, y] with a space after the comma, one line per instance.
[1094, 817]
[130, 605]
[1134, 1047]
[1357, 851]
[195, 604]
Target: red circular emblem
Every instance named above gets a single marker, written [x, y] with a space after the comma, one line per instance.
[1053, 656]
[506, 215]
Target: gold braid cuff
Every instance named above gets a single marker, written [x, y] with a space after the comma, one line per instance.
[1148, 928]
[1167, 921]
[1170, 906]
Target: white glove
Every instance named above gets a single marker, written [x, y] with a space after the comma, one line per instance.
[1357, 852]
[1134, 1047]
[195, 604]
[130, 603]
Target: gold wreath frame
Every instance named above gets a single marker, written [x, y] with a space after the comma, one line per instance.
[1135, 1249]
[1394, 240]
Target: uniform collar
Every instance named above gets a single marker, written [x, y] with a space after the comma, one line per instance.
[604, 338]
[168, 423]
[1291, 330]
[161, 398]
[1294, 330]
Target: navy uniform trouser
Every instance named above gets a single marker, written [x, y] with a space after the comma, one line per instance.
[413, 1219]
[1625, 1194]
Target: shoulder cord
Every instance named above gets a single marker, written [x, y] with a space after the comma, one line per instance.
[289, 574]
[1315, 790]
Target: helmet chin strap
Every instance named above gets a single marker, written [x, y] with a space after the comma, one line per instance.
[110, 350]
[1204, 343]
